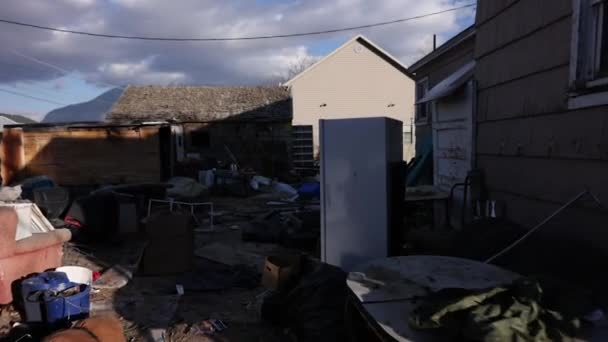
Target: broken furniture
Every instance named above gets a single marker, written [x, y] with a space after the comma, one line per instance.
[360, 178]
[384, 292]
[173, 205]
[20, 256]
[138, 194]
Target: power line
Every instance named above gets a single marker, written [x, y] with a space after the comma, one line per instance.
[32, 97]
[60, 69]
[210, 39]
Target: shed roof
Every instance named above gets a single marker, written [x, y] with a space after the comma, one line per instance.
[192, 103]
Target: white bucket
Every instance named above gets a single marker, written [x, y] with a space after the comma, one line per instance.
[77, 274]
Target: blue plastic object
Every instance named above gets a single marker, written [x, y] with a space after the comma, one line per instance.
[46, 300]
[310, 190]
[29, 185]
[422, 165]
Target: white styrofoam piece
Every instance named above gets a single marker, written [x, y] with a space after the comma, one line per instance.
[31, 219]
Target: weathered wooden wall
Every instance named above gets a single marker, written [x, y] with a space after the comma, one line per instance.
[87, 155]
[535, 152]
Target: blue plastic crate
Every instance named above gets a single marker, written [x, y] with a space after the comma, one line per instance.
[45, 300]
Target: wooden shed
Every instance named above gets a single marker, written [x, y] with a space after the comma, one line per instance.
[210, 124]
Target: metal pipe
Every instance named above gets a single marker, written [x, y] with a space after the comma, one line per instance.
[562, 208]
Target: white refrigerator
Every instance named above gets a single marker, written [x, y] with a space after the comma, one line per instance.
[362, 189]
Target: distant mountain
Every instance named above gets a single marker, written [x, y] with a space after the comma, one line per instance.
[94, 110]
[20, 119]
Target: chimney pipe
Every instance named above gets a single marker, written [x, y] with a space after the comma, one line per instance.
[434, 42]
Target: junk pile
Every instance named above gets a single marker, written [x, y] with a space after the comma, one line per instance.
[298, 228]
[305, 297]
[123, 249]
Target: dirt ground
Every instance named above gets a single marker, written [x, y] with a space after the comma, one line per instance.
[151, 308]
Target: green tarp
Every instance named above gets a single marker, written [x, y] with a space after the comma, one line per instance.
[527, 310]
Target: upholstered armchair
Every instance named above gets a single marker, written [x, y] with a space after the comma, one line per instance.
[18, 258]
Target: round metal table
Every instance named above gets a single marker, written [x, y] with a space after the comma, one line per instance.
[387, 290]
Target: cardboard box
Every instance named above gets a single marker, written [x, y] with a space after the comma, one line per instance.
[279, 270]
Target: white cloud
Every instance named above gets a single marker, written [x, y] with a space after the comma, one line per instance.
[235, 62]
[80, 3]
[141, 70]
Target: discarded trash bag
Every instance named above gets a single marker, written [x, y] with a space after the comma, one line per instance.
[310, 191]
[314, 309]
[184, 187]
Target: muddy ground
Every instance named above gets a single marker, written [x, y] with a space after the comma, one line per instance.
[150, 306]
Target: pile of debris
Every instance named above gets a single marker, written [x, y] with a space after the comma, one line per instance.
[138, 250]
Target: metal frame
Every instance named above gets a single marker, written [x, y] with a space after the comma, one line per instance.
[172, 203]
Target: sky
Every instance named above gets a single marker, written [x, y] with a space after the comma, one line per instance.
[64, 68]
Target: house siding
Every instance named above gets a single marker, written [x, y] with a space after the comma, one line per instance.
[353, 84]
[535, 153]
[436, 71]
